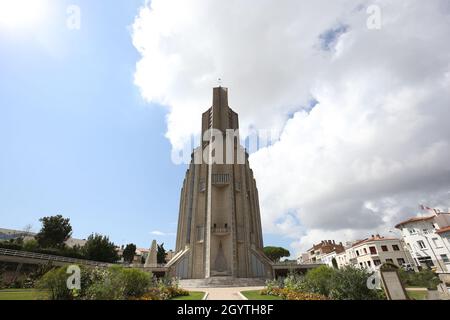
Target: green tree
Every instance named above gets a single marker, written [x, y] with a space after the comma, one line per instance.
[276, 253]
[99, 248]
[54, 232]
[129, 252]
[161, 254]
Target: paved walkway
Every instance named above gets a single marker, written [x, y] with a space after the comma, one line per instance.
[229, 293]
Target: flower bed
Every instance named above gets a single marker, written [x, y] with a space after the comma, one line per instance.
[289, 294]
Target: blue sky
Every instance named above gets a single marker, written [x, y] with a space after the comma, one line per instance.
[76, 138]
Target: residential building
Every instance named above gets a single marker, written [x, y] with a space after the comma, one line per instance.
[372, 252]
[304, 257]
[323, 250]
[328, 258]
[426, 238]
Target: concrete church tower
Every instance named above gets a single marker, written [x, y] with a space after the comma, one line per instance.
[219, 225]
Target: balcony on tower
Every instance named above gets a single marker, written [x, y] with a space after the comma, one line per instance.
[220, 231]
[221, 179]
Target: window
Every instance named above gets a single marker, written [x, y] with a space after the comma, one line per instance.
[200, 233]
[389, 261]
[412, 231]
[202, 185]
[444, 258]
[376, 262]
[384, 248]
[368, 264]
[436, 243]
[361, 265]
[373, 250]
[421, 244]
[400, 261]
[357, 253]
[395, 247]
[365, 251]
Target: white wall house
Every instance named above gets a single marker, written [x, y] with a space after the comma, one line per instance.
[427, 240]
[328, 258]
[373, 252]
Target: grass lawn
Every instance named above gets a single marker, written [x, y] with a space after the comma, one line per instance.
[417, 294]
[255, 295]
[23, 294]
[193, 295]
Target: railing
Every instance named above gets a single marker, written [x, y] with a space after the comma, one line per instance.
[220, 178]
[48, 257]
[220, 230]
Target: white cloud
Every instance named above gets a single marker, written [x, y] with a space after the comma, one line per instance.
[376, 144]
[161, 233]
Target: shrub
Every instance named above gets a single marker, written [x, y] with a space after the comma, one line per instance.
[294, 282]
[56, 282]
[425, 278]
[351, 284]
[9, 245]
[323, 282]
[119, 283]
[318, 280]
[30, 245]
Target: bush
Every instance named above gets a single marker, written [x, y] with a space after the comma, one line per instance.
[351, 284]
[319, 280]
[294, 282]
[425, 278]
[324, 282]
[118, 283]
[30, 245]
[115, 283]
[10, 245]
[56, 282]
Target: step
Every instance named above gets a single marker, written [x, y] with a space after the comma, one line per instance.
[221, 282]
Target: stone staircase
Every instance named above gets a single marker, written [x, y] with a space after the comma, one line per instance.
[222, 282]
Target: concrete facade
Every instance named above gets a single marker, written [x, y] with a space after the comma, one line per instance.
[371, 253]
[425, 237]
[219, 225]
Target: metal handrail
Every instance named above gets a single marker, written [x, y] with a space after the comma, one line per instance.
[27, 254]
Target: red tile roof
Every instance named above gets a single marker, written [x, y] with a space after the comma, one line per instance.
[442, 230]
[415, 219]
[375, 238]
